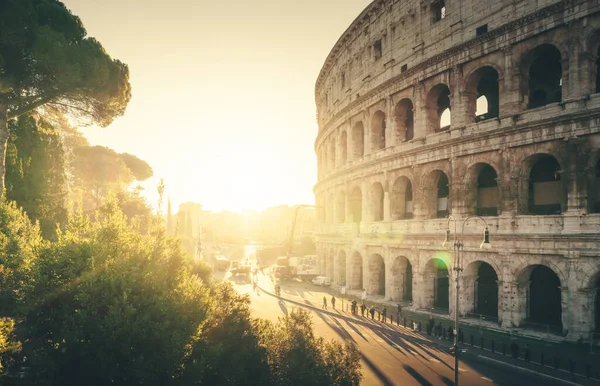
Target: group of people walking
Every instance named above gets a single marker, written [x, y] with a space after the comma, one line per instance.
[354, 307]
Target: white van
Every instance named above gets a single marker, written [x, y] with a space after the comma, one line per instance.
[322, 281]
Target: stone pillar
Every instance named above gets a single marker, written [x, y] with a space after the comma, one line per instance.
[419, 295]
[386, 206]
[389, 123]
[456, 106]
[565, 302]
[468, 102]
[586, 73]
[511, 102]
[511, 309]
[420, 111]
[583, 313]
[467, 292]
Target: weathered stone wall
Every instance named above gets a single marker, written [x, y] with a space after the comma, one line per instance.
[396, 55]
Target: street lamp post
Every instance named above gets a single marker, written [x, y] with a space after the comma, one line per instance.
[457, 245]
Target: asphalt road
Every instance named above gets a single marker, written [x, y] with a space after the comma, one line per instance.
[389, 358]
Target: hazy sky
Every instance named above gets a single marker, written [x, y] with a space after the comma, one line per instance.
[223, 93]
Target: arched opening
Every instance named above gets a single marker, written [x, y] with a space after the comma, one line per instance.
[401, 279]
[545, 76]
[483, 95]
[341, 207]
[344, 147]
[378, 131]
[438, 108]
[546, 192]
[436, 284]
[376, 275]
[356, 205]
[341, 268]
[358, 140]
[377, 201]
[487, 191]
[356, 273]
[542, 295]
[443, 194]
[402, 199]
[438, 10]
[481, 282]
[404, 120]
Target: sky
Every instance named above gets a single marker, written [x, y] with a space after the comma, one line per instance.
[223, 93]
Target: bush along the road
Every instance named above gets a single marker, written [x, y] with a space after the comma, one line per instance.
[107, 304]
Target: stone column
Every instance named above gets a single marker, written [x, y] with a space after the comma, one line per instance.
[457, 108]
[586, 72]
[420, 111]
[510, 308]
[386, 206]
[419, 296]
[511, 102]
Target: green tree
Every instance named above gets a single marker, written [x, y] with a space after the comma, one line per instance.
[98, 171]
[48, 62]
[35, 172]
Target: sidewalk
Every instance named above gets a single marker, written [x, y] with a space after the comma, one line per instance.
[559, 360]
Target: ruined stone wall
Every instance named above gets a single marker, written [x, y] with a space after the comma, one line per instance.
[385, 142]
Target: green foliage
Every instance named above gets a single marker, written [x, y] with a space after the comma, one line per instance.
[109, 305]
[98, 171]
[8, 345]
[46, 59]
[19, 244]
[35, 172]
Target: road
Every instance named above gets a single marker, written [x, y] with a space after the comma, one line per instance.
[390, 358]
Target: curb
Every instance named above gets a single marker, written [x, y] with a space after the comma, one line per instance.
[474, 356]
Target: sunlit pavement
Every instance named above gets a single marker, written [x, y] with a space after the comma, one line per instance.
[388, 357]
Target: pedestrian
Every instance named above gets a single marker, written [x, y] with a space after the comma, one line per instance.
[354, 307]
[527, 352]
[372, 312]
[450, 333]
[333, 302]
[324, 303]
[514, 349]
[384, 314]
[399, 313]
[363, 307]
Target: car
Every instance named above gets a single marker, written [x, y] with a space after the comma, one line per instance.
[321, 281]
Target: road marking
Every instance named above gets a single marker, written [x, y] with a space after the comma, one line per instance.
[486, 379]
[529, 371]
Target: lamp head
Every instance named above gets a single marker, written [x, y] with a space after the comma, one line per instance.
[486, 240]
[447, 238]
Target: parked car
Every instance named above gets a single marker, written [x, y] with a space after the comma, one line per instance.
[322, 281]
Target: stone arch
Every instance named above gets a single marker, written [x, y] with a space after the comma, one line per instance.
[341, 207]
[356, 204]
[541, 75]
[482, 195]
[540, 288]
[376, 275]
[402, 277]
[402, 199]
[356, 272]
[542, 190]
[404, 115]
[377, 198]
[480, 289]
[436, 284]
[358, 140]
[378, 126]
[341, 268]
[482, 84]
[343, 147]
[437, 104]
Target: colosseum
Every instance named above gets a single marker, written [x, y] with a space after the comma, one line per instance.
[435, 112]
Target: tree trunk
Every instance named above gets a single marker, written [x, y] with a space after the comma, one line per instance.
[4, 134]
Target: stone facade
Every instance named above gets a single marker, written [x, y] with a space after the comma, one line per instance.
[475, 107]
